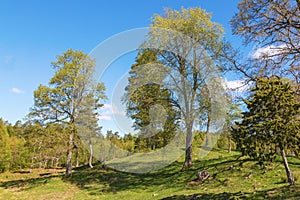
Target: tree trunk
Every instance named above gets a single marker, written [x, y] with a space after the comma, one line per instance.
[69, 155]
[52, 163]
[188, 151]
[46, 164]
[76, 157]
[287, 169]
[148, 143]
[91, 154]
[229, 143]
[56, 163]
[208, 128]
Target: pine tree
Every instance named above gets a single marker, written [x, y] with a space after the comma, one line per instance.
[271, 122]
[142, 99]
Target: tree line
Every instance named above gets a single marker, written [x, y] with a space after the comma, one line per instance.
[30, 145]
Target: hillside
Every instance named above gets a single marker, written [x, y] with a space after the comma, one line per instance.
[230, 179]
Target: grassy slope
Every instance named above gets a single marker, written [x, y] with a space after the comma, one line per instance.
[229, 180]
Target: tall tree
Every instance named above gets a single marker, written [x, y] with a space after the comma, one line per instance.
[145, 98]
[188, 45]
[270, 123]
[61, 101]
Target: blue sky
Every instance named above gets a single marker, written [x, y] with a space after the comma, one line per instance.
[32, 33]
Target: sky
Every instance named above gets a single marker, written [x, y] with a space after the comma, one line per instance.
[33, 33]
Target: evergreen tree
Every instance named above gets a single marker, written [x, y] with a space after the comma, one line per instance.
[271, 122]
[143, 99]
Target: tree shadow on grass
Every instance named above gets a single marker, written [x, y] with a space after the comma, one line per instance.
[98, 180]
[221, 196]
[29, 183]
[281, 193]
[284, 192]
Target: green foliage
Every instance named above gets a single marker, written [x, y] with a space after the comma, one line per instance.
[271, 121]
[199, 137]
[70, 98]
[19, 153]
[193, 22]
[154, 115]
[178, 69]
[5, 150]
[72, 82]
[39, 146]
[189, 45]
[128, 142]
[234, 114]
[15, 155]
[150, 104]
[224, 142]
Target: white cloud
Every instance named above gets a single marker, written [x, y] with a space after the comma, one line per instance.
[17, 91]
[237, 85]
[108, 111]
[271, 50]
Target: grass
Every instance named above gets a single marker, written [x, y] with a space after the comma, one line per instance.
[230, 179]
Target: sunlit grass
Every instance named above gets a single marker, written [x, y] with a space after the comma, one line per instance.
[230, 178]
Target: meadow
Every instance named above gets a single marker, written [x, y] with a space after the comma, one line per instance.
[232, 177]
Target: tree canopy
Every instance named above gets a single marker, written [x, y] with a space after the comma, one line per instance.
[274, 28]
[186, 46]
[71, 90]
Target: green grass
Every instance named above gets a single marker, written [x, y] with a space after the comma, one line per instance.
[229, 180]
